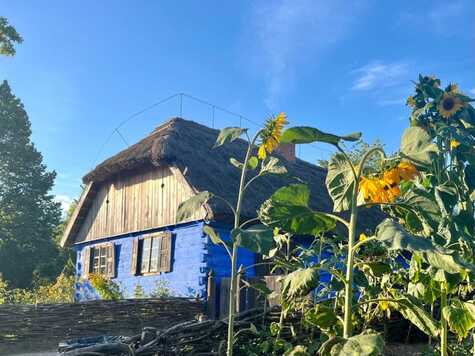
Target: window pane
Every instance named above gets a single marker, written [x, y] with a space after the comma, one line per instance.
[145, 255]
[95, 259]
[155, 254]
[103, 260]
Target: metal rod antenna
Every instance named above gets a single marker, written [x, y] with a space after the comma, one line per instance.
[122, 137]
[181, 105]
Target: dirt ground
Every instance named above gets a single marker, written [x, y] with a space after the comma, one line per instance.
[43, 353]
[404, 350]
[391, 350]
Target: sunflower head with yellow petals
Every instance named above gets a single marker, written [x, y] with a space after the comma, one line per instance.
[271, 134]
[449, 105]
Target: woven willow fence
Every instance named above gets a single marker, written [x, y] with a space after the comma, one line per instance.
[42, 326]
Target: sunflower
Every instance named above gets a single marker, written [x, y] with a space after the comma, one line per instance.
[454, 144]
[449, 105]
[376, 190]
[386, 189]
[452, 88]
[411, 102]
[270, 135]
[407, 171]
[392, 177]
[391, 191]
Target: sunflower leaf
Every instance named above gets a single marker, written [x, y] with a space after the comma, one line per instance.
[228, 134]
[299, 283]
[288, 209]
[394, 237]
[214, 236]
[459, 317]
[361, 345]
[257, 238]
[340, 182]
[272, 165]
[411, 309]
[305, 134]
[417, 145]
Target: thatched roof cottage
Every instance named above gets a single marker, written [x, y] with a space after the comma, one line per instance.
[124, 226]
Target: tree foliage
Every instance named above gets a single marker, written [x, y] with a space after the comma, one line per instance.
[8, 37]
[28, 214]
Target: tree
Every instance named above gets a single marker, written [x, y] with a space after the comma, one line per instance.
[8, 38]
[28, 214]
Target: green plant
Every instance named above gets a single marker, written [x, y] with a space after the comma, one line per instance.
[161, 290]
[139, 292]
[256, 238]
[428, 188]
[106, 288]
[59, 291]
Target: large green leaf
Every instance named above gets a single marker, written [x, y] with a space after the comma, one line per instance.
[417, 145]
[340, 182]
[257, 238]
[228, 134]
[411, 309]
[187, 208]
[376, 269]
[359, 345]
[321, 316]
[305, 134]
[423, 207]
[394, 237]
[459, 318]
[300, 282]
[288, 209]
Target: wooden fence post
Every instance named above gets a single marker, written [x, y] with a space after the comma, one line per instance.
[211, 297]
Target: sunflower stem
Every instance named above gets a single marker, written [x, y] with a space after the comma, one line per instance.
[237, 218]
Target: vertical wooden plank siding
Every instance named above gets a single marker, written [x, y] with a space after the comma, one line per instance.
[137, 202]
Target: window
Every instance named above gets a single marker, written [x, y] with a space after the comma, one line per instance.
[100, 259]
[152, 254]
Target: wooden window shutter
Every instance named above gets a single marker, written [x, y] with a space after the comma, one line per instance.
[166, 252]
[86, 261]
[135, 253]
[110, 260]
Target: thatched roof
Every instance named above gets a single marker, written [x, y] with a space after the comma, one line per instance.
[188, 146]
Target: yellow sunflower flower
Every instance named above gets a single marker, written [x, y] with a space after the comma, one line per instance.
[449, 105]
[391, 191]
[411, 102]
[454, 144]
[407, 171]
[392, 177]
[453, 88]
[384, 305]
[373, 190]
[270, 135]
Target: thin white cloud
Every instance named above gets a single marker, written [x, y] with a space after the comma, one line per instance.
[378, 75]
[286, 34]
[472, 91]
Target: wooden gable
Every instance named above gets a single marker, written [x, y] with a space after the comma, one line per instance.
[130, 203]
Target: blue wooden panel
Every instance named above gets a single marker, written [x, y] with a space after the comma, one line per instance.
[188, 275]
[219, 261]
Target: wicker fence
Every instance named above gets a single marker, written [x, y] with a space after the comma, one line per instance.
[41, 327]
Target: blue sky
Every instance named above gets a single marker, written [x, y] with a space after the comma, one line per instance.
[341, 66]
